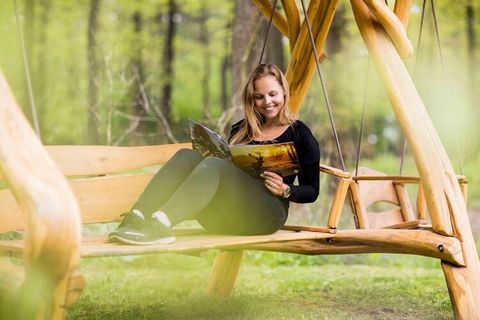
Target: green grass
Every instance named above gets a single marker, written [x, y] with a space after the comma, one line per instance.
[269, 286]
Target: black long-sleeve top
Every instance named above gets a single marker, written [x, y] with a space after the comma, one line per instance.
[308, 153]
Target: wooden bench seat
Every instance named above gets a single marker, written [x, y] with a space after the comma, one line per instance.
[421, 242]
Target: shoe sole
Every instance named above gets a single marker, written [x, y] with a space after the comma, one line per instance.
[166, 240]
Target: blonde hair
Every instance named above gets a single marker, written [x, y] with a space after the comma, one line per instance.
[251, 126]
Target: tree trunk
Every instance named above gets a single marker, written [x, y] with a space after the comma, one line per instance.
[167, 63]
[275, 52]
[204, 42]
[472, 66]
[245, 53]
[334, 39]
[138, 110]
[93, 116]
[226, 63]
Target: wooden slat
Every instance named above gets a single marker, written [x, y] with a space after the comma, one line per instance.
[103, 199]
[82, 160]
[379, 190]
[385, 218]
[299, 228]
[412, 224]
[393, 26]
[419, 242]
[404, 202]
[11, 218]
[358, 206]
[383, 177]
[100, 199]
[338, 203]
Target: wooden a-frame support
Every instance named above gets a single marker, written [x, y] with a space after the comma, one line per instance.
[53, 218]
[384, 33]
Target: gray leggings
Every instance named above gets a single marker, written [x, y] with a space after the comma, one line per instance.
[220, 196]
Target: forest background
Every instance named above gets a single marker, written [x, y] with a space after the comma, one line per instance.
[120, 72]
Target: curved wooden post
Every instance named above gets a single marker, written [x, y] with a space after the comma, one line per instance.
[442, 191]
[52, 217]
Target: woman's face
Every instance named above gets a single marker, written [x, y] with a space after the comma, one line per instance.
[268, 97]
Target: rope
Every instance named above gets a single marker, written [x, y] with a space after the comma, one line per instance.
[269, 29]
[27, 72]
[362, 123]
[325, 94]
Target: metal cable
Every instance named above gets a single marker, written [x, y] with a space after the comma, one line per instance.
[269, 29]
[325, 94]
[27, 71]
[362, 123]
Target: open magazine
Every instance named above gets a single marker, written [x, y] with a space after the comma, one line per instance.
[280, 158]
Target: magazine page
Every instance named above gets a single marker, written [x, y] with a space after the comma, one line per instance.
[208, 142]
[280, 158]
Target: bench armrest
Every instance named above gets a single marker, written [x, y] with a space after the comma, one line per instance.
[335, 172]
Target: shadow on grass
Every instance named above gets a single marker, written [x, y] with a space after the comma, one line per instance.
[190, 307]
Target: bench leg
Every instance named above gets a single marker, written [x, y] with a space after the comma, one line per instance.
[224, 272]
[463, 291]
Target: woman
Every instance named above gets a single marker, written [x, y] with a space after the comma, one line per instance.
[220, 196]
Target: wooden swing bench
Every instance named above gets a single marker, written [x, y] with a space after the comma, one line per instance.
[107, 180]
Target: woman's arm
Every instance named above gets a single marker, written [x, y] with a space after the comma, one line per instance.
[308, 184]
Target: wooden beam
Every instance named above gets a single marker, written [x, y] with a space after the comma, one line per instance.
[335, 171]
[49, 207]
[358, 206]
[301, 67]
[402, 11]
[338, 202]
[279, 21]
[417, 242]
[293, 20]
[224, 272]
[460, 291]
[421, 203]
[393, 26]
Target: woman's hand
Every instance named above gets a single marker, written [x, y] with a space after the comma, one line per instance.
[274, 183]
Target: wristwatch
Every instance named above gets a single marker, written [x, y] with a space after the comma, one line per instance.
[286, 192]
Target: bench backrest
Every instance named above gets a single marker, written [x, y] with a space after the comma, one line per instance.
[106, 180]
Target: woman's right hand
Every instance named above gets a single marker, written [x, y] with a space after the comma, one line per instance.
[274, 183]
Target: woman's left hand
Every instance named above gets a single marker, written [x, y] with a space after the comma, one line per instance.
[274, 183]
